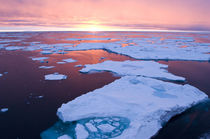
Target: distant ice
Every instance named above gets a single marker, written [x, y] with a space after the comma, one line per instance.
[138, 101]
[69, 60]
[142, 48]
[4, 109]
[61, 62]
[13, 48]
[78, 66]
[134, 68]
[39, 58]
[80, 39]
[55, 76]
[46, 67]
[46, 52]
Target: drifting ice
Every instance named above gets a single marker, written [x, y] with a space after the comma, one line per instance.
[55, 76]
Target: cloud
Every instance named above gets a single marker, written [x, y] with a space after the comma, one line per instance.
[179, 14]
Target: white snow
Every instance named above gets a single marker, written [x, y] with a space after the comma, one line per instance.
[69, 60]
[143, 68]
[46, 67]
[4, 109]
[81, 133]
[39, 58]
[106, 127]
[64, 137]
[146, 102]
[55, 76]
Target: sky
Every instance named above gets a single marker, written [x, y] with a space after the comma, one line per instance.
[108, 15]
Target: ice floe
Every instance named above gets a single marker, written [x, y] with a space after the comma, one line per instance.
[81, 133]
[4, 109]
[69, 60]
[55, 76]
[61, 62]
[39, 58]
[135, 68]
[78, 66]
[147, 103]
[46, 67]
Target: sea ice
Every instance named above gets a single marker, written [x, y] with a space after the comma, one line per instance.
[13, 48]
[106, 127]
[64, 137]
[135, 68]
[4, 109]
[46, 67]
[39, 58]
[46, 52]
[61, 62]
[69, 60]
[55, 76]
[78, 66]
[81, 133]
[91, 127]
[138, 101]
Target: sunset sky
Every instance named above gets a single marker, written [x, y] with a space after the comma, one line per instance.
[28, 15]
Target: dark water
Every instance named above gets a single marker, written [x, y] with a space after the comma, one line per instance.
[196, 121]
[30, 115]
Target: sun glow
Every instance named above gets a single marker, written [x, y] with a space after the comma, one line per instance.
[93, 26]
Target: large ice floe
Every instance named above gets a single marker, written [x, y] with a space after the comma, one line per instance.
[132, 107]
[134, 68]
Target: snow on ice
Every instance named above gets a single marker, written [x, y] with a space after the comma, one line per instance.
[135, 68]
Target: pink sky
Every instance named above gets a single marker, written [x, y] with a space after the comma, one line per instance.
[104, 14]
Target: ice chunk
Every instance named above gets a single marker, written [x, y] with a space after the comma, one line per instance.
[134, 68]
[205, 136]
[106, 127]
[55, 76]
[13, 48]
[81, 133]
[1, 74]
[4, 109]
[91, 127]
[69, 60]
[137, 102]
[46, 52]
[64, 137]
[78, 66]
[39, 58]
[46, 67]
[61, 62]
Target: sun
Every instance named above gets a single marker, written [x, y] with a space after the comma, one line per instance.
[92, 26]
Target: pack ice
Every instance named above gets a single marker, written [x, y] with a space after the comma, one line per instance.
[145, 102]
